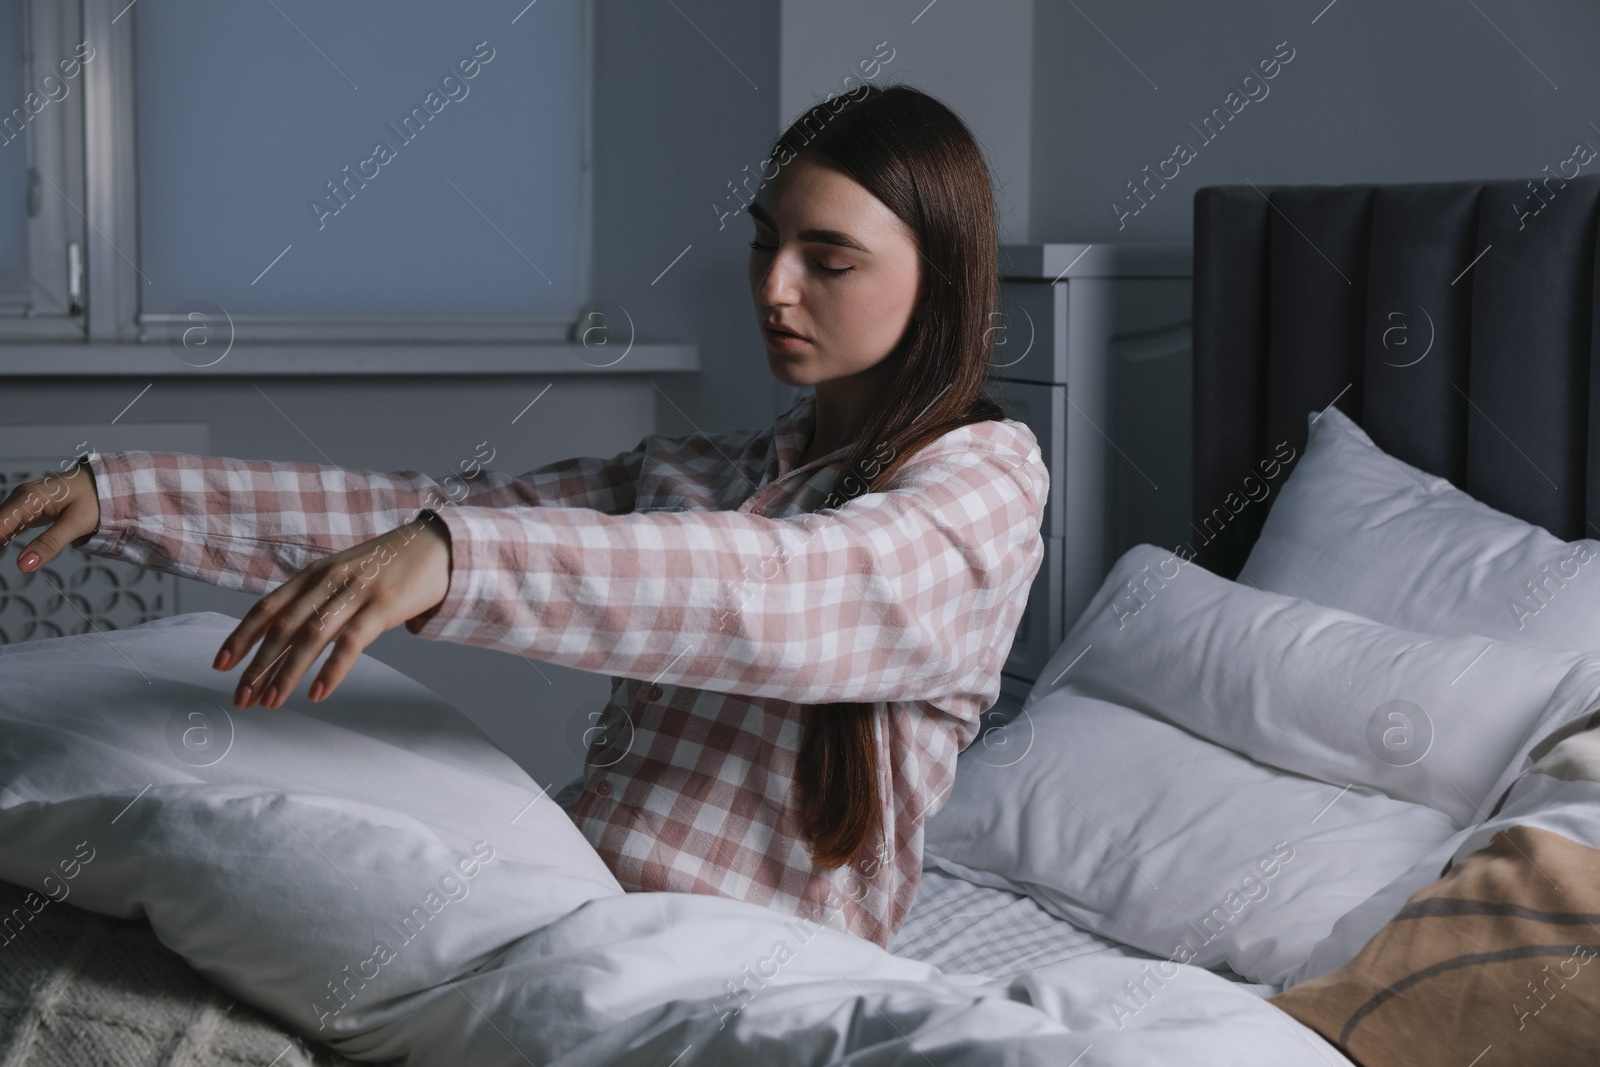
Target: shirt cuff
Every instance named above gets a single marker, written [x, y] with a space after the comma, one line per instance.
[435, 622]
[113, 487]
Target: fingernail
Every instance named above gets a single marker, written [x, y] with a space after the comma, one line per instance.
[269, 701]
[28, 561]
[316, 690]
[241, 697]
[222, 660]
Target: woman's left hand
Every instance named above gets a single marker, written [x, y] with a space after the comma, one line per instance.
[348, 598]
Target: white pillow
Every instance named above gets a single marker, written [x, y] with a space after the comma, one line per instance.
[1141, 832]
[1355, 528]
[1318, 691]
[274, 850]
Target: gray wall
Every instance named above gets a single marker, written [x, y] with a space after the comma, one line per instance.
[686, 98]
[973, 56]
[1397, 92]
[1073, 100]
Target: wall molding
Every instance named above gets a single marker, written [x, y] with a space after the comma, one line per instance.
[361, 329]
[131, 359]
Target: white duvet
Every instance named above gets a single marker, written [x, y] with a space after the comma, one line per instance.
[374, 873]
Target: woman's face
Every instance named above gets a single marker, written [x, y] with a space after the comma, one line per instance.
[832, 263]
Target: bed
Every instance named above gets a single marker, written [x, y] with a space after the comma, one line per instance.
[1249, 756]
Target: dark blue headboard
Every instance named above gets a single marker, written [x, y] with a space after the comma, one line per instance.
[1304, 294]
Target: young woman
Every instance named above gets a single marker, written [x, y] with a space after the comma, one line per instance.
[804, 624]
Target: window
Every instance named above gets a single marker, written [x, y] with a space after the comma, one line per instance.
[374, 170]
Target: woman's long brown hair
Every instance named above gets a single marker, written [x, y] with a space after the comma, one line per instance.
[916, 156]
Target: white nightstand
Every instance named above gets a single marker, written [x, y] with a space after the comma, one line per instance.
[1094, 355]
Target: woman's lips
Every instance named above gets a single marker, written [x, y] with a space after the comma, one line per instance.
[785, 341]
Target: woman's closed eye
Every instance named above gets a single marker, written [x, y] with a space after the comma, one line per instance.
[757, 246]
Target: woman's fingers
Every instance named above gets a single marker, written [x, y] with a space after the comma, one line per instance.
[71, 525]
[238, 643]
[44, 503]
[362, 630]
[347, 599]
[22, 508]
[308, 602]
[254, 625]
[306, 644]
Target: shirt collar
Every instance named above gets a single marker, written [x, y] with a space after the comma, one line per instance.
[792, 432]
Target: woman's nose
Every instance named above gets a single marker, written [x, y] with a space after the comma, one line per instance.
[777, 287]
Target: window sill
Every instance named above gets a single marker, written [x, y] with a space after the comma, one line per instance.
[112, 359]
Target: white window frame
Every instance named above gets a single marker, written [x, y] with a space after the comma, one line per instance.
[110, 171]
[50, 306]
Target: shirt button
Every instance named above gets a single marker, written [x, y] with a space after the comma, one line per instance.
[655, 692]
[758, 509]
[604, 788]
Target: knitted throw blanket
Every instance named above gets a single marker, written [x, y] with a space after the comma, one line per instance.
[82, 990]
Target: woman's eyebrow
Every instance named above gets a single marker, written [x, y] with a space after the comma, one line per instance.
[831, 237]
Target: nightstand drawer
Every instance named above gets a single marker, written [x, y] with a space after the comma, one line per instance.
[1043, 409]
[1030, 333]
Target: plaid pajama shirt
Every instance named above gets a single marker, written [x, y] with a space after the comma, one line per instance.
[713, 579]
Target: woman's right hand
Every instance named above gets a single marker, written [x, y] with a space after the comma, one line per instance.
[66, 503]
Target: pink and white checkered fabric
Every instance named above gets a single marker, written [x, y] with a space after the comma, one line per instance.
[703, 573]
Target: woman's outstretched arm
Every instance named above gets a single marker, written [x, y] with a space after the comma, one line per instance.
[911, 592]
[252, 524]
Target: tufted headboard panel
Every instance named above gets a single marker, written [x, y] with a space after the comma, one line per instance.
[1454, 321]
